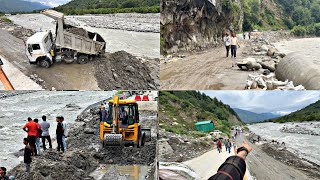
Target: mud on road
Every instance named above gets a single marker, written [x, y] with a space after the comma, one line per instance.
[85, 154]
[98, 74]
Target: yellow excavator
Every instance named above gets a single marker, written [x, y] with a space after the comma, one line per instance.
[122, 126]
[4, 79]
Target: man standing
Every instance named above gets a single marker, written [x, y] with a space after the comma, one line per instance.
[227, 43]
[59, 133]
[31, 128]
[39, 132]
[45, 133]
[27, 155]
[65, 132]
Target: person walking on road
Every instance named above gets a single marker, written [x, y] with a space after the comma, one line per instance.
[39, 133]
[235, 166]
[59, 133]
[219, 146]
[229, 145]
[31, 128]
[234, 44]
[45, 133]
[65, 132]
[225, 144]
[27, 159]
[227, 42]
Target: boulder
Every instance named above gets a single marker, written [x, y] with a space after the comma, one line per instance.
[271, 51]
[270, 65]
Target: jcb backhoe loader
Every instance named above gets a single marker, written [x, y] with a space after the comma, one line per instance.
[122, 127]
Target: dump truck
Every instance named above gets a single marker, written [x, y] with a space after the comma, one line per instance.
[66, 46]
[122, 127]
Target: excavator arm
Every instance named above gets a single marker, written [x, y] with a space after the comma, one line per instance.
[115, 137]
[4, 79]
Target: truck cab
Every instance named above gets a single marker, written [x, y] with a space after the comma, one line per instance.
[39, 49]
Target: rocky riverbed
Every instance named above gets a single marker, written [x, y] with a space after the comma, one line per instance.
[85, 154]
[128, 21]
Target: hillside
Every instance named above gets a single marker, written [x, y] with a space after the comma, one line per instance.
[309, 113]
[302, 17]
[180, 110]
[8, 6]
[109, 6]
[251, 117]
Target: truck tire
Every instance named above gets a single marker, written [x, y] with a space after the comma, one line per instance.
[83, 59]
[45, 63]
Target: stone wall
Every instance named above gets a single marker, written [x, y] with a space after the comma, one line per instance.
[188, 25]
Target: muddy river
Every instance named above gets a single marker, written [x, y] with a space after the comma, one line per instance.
[304, 145]
[15, 110]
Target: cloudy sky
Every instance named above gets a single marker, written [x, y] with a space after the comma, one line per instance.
[52, 3]
[279, 102]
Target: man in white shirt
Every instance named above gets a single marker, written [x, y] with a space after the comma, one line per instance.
[227, 43]
[45, 133]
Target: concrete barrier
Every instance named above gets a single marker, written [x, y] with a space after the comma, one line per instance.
[300, 70]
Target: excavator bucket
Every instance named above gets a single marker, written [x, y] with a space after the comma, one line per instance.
[147, 133]
[112, 140]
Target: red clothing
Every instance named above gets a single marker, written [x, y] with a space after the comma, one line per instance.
[219, 144]
[39, 132]
[32, 128]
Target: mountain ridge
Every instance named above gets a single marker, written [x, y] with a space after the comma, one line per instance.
[252, 117]
[10, 6]
[308, 113]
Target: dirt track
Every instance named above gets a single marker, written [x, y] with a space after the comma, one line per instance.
[204, 70]
[263, 166]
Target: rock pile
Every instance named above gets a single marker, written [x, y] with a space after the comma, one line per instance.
[269, 82]
[85, 154]
[121, 70]
[299, 130]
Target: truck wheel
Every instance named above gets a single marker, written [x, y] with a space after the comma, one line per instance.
[44, 63]
[83, 59]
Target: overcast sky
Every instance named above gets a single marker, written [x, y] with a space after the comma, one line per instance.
[52, 3]
[279, 102]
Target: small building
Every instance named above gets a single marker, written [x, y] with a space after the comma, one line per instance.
[205, 126]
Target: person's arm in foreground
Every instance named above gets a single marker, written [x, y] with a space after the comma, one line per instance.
[234, 167]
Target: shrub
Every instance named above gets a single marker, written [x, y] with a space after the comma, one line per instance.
[299, 31]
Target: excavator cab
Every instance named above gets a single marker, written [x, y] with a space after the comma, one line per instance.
[122, 125]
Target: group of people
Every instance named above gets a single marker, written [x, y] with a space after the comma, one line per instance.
[38, 130]
[227, 145]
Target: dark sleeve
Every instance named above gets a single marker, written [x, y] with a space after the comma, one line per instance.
[233, 168]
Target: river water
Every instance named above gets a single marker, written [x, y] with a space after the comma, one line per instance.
[15, 110]
[306, 146]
